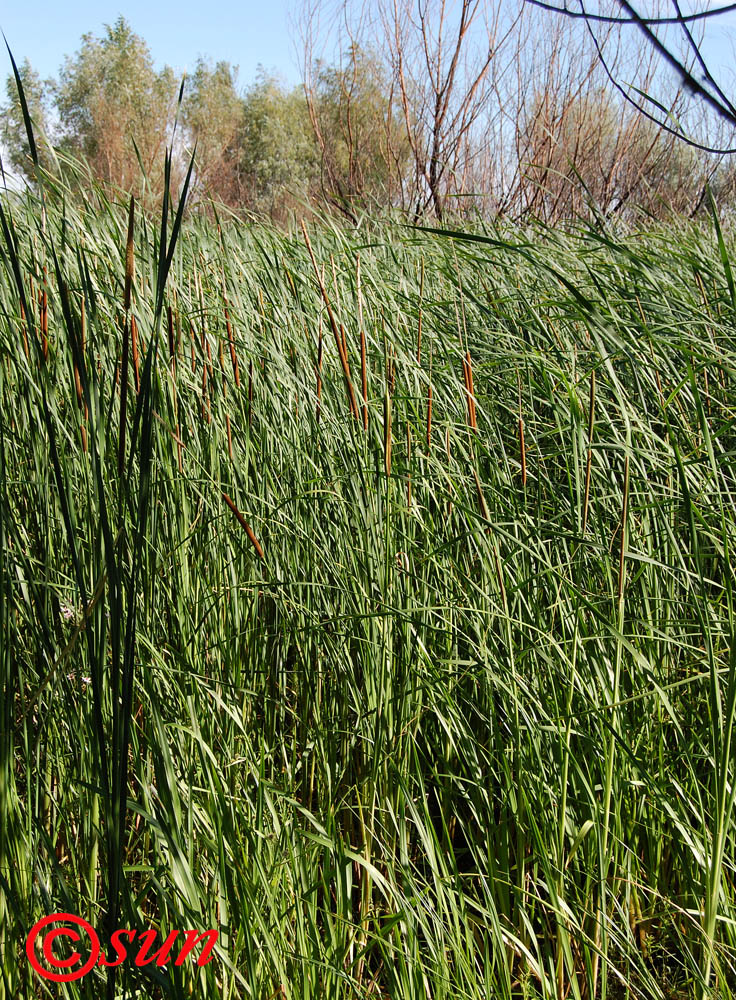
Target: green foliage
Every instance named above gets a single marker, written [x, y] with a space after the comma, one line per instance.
[12, 127]
[212, 113]
[466, 730]
[594, 148]
[109, 97]
[364, 150]
[278, 157]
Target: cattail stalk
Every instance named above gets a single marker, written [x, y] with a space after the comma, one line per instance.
[78, 386]
[341, 347]
[471, 394]
[429, 416]
[522, 445]
[522, 449]
[429, 404]
[364, 378]
[479, 492]
[129, 270]
[338, 304]
[624, 514]
[33, 290]
[172, 345]
[134, 348]
[344, 341]
[224, 397]
[230, 338]
[83, 324]
[129, 257]
[363, 365]
[45, 316]
[205, 395]
[408, 463]
[250, 391]
[468, 378]
[419, 327]
[229, 436]
[449, 459]
[319, 368]
[173, 348]
[334, 282]
[387, 432]
[244, 525]
[499, 575]
[23, 330]
[591, 418]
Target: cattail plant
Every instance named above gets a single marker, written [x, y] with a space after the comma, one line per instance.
[127, 292]
[624, 517]
[228, 429]
[589, 458]
[244, 525]
[23, 330]
[81, 402]
[469, 391]
[193, 340]
[408, 464]
[205, 394]
[319, 367]
[522, 447]
[387, 432]
[44, 307]
[363, 361]
[429, 415]
[230, 337]
[414, 709]
[134, 351]
[339, 337]
[419, 321]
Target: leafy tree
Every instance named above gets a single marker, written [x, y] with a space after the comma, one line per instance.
[213, 115]
[278, 158]
[364, 151]
[12, 125]
[111, 100]
[590, 147]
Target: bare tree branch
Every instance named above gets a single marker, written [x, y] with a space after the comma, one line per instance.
[609, 19]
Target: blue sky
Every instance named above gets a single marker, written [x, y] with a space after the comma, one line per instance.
[241, 31]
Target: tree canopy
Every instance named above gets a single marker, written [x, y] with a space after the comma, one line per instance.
[113, 106]
[472, 108]
[12, 124]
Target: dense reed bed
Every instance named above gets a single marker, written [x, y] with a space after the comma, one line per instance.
[367, 596]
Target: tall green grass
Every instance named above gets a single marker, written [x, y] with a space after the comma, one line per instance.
[402, 711]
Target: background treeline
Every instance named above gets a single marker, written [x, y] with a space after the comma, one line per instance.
[435, 109]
